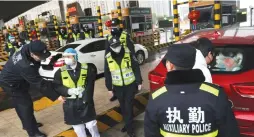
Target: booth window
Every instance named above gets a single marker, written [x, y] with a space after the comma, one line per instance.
[227, 59]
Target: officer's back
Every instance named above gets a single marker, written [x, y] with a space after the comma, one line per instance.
[186, 105]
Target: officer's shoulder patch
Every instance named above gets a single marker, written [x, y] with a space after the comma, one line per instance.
[159, 92]
[108, 55]
[210, 88]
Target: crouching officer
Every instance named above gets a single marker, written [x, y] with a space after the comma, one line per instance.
[186, 105]
[11, 45]
[122, 75]
[19, 72]
[118, 34]
[78, 80]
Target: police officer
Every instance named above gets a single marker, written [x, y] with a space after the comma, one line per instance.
[78, 80]
[62, 35]
[85, 33]
[70, 38]
[122, 75]
[125, 39]
[11, 45]
[186, 105]
[19, 72]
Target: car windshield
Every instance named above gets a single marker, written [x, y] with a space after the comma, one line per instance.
[62, 49]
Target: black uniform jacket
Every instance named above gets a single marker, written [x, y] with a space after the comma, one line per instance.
[21, 70]
[78, 111]
[118, 58]
[189, 106]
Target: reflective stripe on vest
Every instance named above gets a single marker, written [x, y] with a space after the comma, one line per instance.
[10, 46]
[74, 36]
[122, 38]
[166, 134]
[87, 35]
[60, 38]
[121, 75]
[68, 82]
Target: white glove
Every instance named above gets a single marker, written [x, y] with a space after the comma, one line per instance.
[80, 90]
[72, 91]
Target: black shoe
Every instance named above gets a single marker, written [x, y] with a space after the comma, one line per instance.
[123, 129]
[38, 125]
[131, 135]
[38, 134]
[113, 98]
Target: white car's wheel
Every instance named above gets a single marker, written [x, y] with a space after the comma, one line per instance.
[140, 57]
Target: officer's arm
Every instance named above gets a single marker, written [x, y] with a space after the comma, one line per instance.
[31, 75]
[62, 90]
[136, 69]
[225, 118]
[108, 78]
[89, 90]
[130, 44]
[151, 126]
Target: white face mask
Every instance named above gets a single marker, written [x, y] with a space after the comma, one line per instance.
[117, 49]
[68, 61]
[12, 40]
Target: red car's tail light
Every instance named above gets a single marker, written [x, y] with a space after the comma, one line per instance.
[59, 63]
[156, 78]
[245, 90]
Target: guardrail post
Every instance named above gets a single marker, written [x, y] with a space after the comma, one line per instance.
[217, 14]
[98, 9]
[119, 11]
[176, 21]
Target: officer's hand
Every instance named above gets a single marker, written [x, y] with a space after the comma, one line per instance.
[111, 94]
[72, 91]
[139, 87]
[61, 99]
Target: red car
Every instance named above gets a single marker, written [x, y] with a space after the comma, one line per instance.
[233, 69]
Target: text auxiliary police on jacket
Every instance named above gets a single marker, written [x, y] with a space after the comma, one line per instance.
[187, 105]
[78, 81]
[19, 72]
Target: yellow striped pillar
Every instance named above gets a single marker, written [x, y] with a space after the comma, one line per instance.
[176, 21]
[56, 26]
[98, 9]
[1, 38]
[29, 31]
[217, 14]
[38, 34]
[15, 32]
[118, 5]
[68, 24]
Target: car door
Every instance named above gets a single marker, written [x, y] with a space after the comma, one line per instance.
[94, 53]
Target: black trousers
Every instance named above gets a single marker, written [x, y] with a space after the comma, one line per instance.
[23, 105]
[125, 96]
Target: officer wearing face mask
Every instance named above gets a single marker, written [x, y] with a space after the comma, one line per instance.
[11, 45]
[62, 35]
[78, 81]
[123, 76]
[85, 33]
[19, 72]
[122, 36]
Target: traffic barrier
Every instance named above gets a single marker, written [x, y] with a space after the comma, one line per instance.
[158, 47]
[3, 56]
[176, 20]
[217, 14]
[119, 12]
[113, 116]
[29, 31]
[38, 34]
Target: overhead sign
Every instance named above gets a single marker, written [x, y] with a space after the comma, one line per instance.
[88, 19]
[140, 11]
[165, 24]
[72, 9]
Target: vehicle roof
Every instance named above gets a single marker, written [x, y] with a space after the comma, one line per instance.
[86, 41]
[228, 35]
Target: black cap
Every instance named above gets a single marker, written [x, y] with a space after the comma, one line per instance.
[204, 45]
[181, 55]
[40, 49]
[115, 22]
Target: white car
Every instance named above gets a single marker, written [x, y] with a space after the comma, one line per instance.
[89, 51]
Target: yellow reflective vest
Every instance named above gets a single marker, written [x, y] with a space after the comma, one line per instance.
[123, 38]
[10, 46]
[68, 82]
[121, 75]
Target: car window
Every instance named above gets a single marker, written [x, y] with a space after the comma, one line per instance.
[227, 59]
[94, 47]
[67, 46]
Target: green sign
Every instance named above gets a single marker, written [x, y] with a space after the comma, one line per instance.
[140, 11]
[88, 19]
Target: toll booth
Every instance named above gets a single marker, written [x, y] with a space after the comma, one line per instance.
[138, 22]
[91, 22]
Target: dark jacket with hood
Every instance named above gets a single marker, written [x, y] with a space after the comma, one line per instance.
[189, 106]
[21, 70]
[75, 110]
